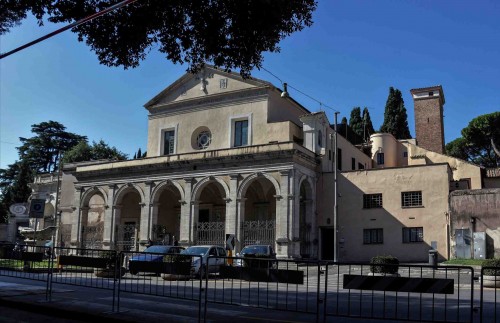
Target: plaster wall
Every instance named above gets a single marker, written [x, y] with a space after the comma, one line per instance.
[478, 210]
[431, 180]
[461, 169]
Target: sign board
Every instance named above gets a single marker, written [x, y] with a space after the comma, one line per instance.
[18, 209]
[37, 208]
[230, 241]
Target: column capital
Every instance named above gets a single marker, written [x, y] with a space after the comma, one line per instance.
[142, 204]
[227, 200]
[183, 202]
[240, 200]
[149, 183]
[285, 172]
[189, 180]
[195, 202]
[235, 176]
[112, 186]
[278, 197]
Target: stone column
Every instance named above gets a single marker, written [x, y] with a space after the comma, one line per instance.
[195, 206]
[240, 218]
[145, 222]
[109, 221]
[116, 235]
[294, 220]
[282, 215]
[76, 236]
[232, 207]
[186, 217]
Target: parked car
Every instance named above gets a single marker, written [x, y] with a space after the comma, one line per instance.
[200, 266]
[154, 253]
[256, 251]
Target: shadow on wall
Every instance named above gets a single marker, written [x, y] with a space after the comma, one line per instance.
[354, 220]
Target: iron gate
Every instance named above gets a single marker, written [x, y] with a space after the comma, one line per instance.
[92, 236]
[258, 232]
[211, 233]
[126, 237]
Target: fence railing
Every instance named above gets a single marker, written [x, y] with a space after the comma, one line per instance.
[490, 304]
[321, 289]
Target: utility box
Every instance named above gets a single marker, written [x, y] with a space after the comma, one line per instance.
[479, 245]
[463, 243]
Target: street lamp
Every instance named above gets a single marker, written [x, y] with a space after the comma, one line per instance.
[335, 220]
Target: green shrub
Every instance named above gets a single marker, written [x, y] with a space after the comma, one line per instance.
[377, 264]
[491, 263]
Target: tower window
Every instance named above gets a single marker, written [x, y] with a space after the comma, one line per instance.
[431, 93]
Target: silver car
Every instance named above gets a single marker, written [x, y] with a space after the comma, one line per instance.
[203, 265]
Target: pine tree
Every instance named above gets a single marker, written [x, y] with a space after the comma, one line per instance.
[135, 155]
[355, 121]
[367, 124]
[395, 118]
[144, 155]
[139, 153]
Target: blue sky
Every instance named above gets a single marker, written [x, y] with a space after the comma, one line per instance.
[350, 57]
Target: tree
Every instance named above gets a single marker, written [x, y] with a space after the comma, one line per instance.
[228, 33]
[477, 142]
[139, 153]
[98, 150]
[395, 118]
[14, 185]
[43, 150]
[344, 121]
[367, 123]
[355, 121]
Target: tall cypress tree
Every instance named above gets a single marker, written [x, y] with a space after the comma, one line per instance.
[395, 118]
[355, 121]
[367, 124]
[139, 153]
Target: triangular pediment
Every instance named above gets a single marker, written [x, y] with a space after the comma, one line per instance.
[210, 81]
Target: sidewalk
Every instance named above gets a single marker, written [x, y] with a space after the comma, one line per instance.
[92, 305]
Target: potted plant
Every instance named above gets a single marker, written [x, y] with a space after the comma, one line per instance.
[384, 265]
[111, 261]
[491, 276]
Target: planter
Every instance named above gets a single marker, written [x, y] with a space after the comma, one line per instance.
[109, 272]
[384, 274]
[491, 281]
[175, 277]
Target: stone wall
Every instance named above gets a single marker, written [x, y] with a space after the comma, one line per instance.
[478, 210]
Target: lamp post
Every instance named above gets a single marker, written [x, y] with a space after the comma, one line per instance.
[335, 224]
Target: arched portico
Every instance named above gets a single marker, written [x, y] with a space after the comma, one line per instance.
[93, 207]
[209, 204]
[127, 217]
[257, 209]
[166, 212]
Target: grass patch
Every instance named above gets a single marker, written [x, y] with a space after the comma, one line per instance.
[465, 262]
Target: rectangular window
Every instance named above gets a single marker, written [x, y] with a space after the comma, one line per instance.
[241, 133]
[339, 159]
[380, 158]
[371, 201]
[411, 235]
[168, 142]
[405, 154]
[373, 236]
[411, 199]
[353, 163]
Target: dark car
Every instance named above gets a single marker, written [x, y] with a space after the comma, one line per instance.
[153, 254]
[249, 253]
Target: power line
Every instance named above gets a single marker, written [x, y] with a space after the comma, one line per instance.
[75, 24]
[321, 104]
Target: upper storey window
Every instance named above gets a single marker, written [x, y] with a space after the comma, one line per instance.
[168, 142]
[240, 133]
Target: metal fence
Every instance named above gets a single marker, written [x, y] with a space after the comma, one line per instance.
[322, 289]
[399, 292]
[490, 305]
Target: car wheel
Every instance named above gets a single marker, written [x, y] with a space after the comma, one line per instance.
[202, 272]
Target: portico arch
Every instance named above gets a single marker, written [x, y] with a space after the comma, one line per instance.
[306, 219]
[93, 206]
[166, 211]
[128, 204]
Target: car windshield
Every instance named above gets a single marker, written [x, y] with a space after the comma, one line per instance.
[195, 251]
[157, 249]
[253, 250]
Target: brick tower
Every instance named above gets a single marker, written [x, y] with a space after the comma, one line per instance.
[429, 127]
